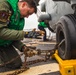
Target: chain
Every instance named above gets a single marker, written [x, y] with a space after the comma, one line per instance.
[24, 68]
[35, 61]
[18, 72]
[25, 64]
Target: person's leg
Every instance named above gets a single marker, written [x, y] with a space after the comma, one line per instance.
[3, 55]
[3, 59]
[7, 54]
[42, 28]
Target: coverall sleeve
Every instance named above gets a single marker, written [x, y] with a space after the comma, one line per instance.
[8, 34]
[5, 32]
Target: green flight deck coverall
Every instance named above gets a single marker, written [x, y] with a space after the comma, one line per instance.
[11, 31]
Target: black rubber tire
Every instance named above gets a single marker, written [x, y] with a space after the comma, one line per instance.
[66, 29]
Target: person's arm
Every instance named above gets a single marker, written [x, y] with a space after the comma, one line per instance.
[7, 34]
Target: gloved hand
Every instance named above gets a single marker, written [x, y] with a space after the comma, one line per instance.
[30, 52]
[41, 32]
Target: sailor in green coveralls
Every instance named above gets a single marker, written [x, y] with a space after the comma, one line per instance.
[44, 23]
[12, 13]
[42, 26]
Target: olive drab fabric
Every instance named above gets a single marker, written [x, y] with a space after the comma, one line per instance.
[15, 22]
[42, 24]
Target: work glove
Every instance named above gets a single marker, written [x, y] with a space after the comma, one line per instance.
[41, 32]
[30, 52]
